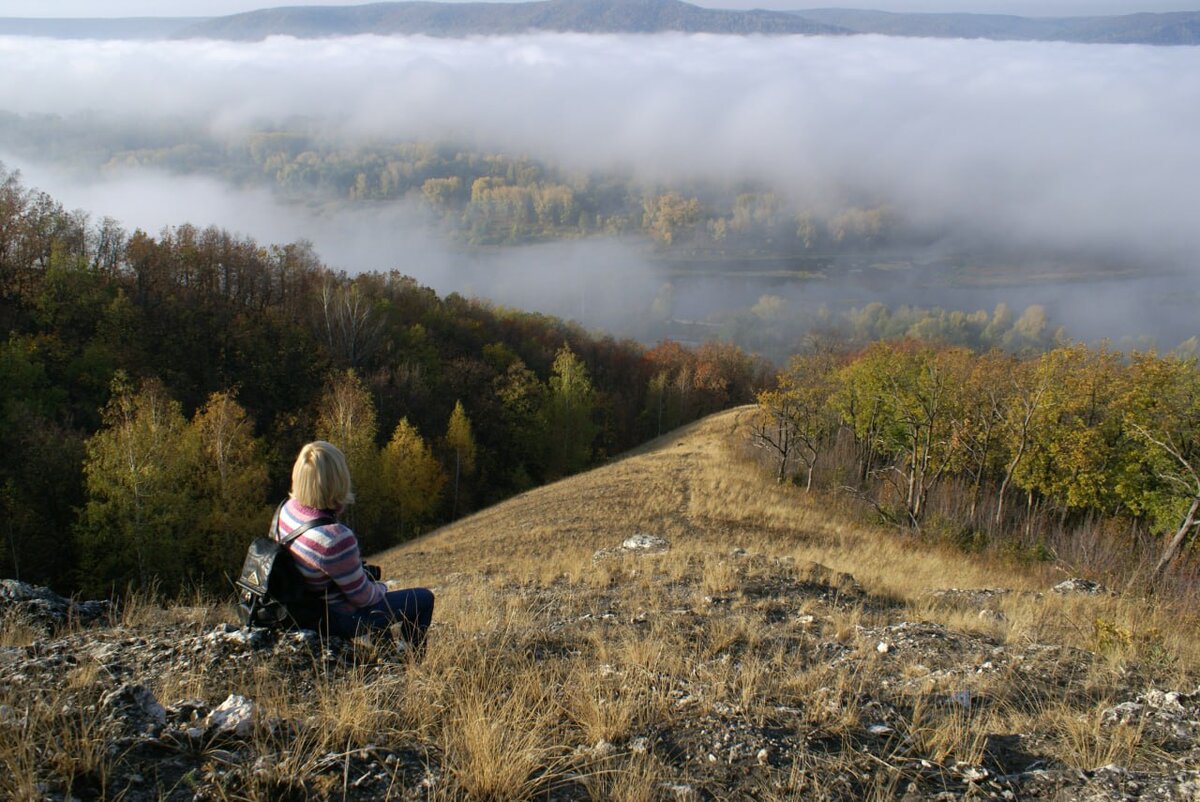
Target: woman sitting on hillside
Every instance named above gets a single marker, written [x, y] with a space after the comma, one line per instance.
[328, 556]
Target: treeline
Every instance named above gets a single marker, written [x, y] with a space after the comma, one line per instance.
[992, 445]
[500, 199]
[481, 198]
[155, 389]
[777, 327]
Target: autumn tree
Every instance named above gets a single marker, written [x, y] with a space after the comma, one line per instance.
[230, 481]
[346, 418]
[136, 525]
[351, 325]
[667, 215]
[460, 443]
[774, 428]
[860, 402]
[1024, 404]
[986, 398]
[522, 396]
[569, 427]
[1078, 441]
[1162, 410]
[411, 477]
[905, 399]
[796, 418]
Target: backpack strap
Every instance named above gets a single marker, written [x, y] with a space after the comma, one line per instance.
[323, 520]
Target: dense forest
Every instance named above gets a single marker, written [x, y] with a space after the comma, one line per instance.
[1079, 453]
[156, 389]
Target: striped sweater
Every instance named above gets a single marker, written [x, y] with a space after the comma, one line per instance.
[329, 560]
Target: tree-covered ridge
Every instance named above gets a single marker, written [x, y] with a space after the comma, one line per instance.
[491, 19]
[997, 447]
[156, 389]
[617, 16]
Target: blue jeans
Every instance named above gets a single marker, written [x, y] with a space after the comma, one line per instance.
[411, 608]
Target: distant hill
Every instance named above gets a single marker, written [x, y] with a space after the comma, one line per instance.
[119, 28]
[467, 19]
[615, 16]
[1178, 28]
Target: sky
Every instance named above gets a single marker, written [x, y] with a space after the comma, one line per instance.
[153, 8]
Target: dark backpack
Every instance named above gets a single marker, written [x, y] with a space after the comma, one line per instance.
[271, 591]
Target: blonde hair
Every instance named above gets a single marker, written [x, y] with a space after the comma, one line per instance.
[321, 478]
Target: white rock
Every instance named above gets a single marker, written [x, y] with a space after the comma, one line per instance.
[973, 774]
[1076, 585]
[603, 748]
[1168, 702]
[763, 756]
[680, 791]
[234, 716]
[882, 647]
[1123, 713]
[640, 745]
[644, 541]
[879, 729]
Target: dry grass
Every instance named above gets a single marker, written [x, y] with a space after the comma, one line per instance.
[61, 737]
[16, 631]
[692, 488]
[1082, 740]
[546, 666]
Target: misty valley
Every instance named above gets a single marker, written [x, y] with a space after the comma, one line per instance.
[679, 259]
[780, 405]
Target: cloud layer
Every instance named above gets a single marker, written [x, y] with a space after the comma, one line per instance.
[1078, 148]
[1054, 143]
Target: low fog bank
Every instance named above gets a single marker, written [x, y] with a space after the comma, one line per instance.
[1071, 150]
[1042, 144]
[619, 285]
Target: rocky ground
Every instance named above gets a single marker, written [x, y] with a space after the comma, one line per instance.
[662, 628]
[878, 721]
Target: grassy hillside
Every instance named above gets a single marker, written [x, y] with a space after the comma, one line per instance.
[761, 628]
[776, 649]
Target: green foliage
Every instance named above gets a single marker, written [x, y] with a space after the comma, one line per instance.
[522, 396]
[796, 420]
[460, 444]
[229, 484]
[461, 441]
[346, 418]
[136, 526]
[1082, 431]
[567, 415]
[412, 478]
